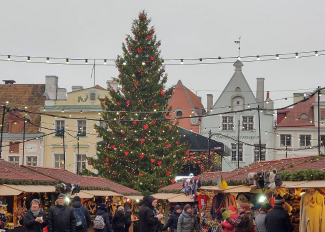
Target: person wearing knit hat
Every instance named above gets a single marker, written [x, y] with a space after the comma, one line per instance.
[233, 215]
[82, 214]
[173, 219]
[244, 221]
[278, 219]
[34, 218]
[119, 220]
[102, 214]
[187, 222]
[260, 218]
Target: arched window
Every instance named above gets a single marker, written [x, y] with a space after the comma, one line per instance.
[237, 89]
[179, 113]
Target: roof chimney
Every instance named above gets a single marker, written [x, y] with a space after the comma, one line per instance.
[209, 102]
[9, 82]
[267, 94]
[260, 91]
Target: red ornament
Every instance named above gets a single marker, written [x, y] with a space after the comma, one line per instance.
[133, 90]
[135, 37]
[152, 160]
[126, 153]
[141, 73]
[136, 84]
[163, 70]
[154, 122]
[134, 122]
[115, 173]
[166, 116]
[123, 132]
[162, 92]
[187, 152]
[96, 131]
[145, 127]
[129, 48]
[161, 182]
[127, 102]
[89, 163]
[176, 142]
[192, 158]
[168, 173]
[112, 90]
[141, 174]
[142, 141]
[119, 69]
[152, 58]
[149, 36]
[102, 103]
[154, 105]
[113, 146]
[107, 160]
[173, 181]
[170, 128]
[169, 145]
[141, 156]
[199, 162]
[142, 16]
[119, 104]
[159, 44]
[126, 38]
[147, 61]
[161, 130]
[139, 50]
[159, 163]
[152, 31]
[108, 167]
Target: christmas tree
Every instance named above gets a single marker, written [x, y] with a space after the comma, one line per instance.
[140, 148]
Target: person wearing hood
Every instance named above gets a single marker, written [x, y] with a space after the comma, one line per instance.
[173, 219]
[186, 221]
[61, 217]
[148, 221]
[119, 220]
[81, 213]
[260, 219]
[34, 219]
[103, 212]
[244, 222]
[127, 218]
[233, 215]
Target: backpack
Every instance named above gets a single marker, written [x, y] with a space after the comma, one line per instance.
[99, 223]
[278, 180]
[80, 217]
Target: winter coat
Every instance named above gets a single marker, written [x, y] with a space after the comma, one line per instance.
[148, 222]
[127, 218]
[61, 219]
[187, 223]
[119, 220]
[278, 220]
[172, 221]
[244, 222]
[105, 216]
[31, 225]
[260, 222]
[77, 204]
[227, 227]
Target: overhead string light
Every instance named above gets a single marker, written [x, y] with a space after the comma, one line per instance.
[8, 57]
[48, 60]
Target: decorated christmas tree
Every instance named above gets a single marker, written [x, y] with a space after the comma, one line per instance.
[140, 147]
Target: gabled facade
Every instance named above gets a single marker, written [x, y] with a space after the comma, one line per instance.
[27, 97]
[185, 103]
[77, 113]
[297, 128]
[238, 96]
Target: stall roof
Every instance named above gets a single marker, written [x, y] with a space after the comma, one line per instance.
[33, 188]
[101, 193]
[165, 196]
[134, 197]
[181, 198]
[82, 195]
[312, 184]
[7, 191]
[85, 181]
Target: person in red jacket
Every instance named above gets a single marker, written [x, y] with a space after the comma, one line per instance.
[227, 227]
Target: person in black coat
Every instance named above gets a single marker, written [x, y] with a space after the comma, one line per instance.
[128, 220]
[61, 217]
[102, 211]
[173, 219]
[77, 204]
[278, 219]
[119, 220]
[34, 218]
[148, 221]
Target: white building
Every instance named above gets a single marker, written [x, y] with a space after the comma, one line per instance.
[238, 96]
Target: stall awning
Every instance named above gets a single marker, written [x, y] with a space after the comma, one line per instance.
[82, 195]
[134, 197]
[165, 196]
[181, 198]
[312, 184]
[238, 189]
[292, 184]
[7, 191]
[101, 193]
[33, 188]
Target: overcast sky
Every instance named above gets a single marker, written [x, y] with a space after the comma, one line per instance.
[187, 29]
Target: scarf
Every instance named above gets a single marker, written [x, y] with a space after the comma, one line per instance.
[35, 213]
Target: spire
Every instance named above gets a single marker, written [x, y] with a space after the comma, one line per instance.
[238, 65]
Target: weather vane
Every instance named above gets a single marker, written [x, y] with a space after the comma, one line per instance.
[238, 42]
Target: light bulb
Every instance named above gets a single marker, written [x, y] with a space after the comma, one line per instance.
[182, 61]
[277, 56]
[200, 59]
[48, 60]
[257, 57]
[86, 61]
[297, 56]
[238, 58]
[143, 63]
[9, 57]
[316, 53]
[28, 59]
[105, 61]
[124, 62]
[67, 61]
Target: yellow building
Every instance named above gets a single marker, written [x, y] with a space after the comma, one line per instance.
[73, 115]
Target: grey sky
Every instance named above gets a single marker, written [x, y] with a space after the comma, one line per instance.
[187, 28]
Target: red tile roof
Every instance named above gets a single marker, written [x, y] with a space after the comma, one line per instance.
[9, 171]
[295, 113]
[98, 87]
[84, 181]
[298, 163]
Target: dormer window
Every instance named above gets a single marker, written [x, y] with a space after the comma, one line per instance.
[179, 113]
[303, 116]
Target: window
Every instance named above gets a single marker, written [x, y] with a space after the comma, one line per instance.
[14, 147]
[305, 140]
[248, 123]
[322, 114]
[15, 127]
[257, 152]
[82, 129]
[14, 160]
[58, 160]
[32, 160]
[179, 113]
[237, 103]
[227, 123]
[285, 140]
[322, 140]
[81, 163]
[59, 127]
[234, 152]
